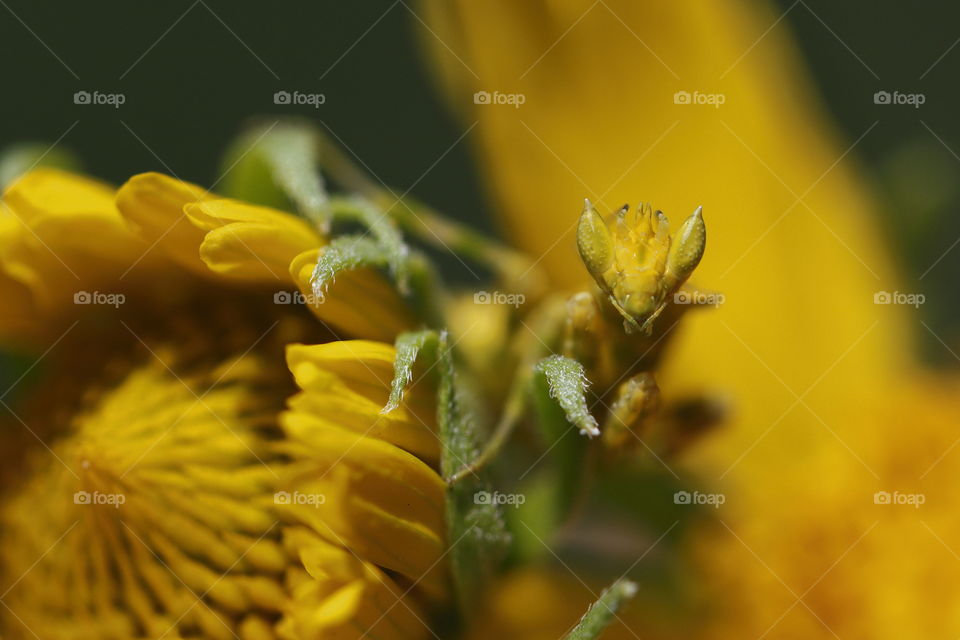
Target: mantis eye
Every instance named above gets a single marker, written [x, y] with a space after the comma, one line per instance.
[595, 243]
[687, 248]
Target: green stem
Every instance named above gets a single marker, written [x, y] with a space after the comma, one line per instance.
[544, 329]
[428, 225]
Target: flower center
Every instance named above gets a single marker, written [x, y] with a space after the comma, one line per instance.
[158, 517]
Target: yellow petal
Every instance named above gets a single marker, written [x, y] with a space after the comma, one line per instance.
[794, 247]
[153, 204]
[379, 500]
[250, 242]
[342, 597]
[358, 303]
[639, 144]
[362, 372]
[60, 234]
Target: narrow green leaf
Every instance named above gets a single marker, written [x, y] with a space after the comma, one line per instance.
[276, 161]
[602, 612]
[561, 477]
[476, 527]
[279, 164]
[426, 290]
[409, 345]
[382, 228]
[346, 253]
[568, 386]
[476, 530]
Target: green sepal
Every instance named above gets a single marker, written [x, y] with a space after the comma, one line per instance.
[568, 387]
[409, 346]
[346, 253]
[381, 227]
[559, 404]
[476, 530]
[602, 612]
[278, 165]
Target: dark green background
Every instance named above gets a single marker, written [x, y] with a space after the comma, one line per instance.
[190, 94]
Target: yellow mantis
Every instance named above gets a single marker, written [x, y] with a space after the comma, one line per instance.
[639, 265]
[609, 338]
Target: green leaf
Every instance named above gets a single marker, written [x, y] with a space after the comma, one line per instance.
[553, 491]
[349, 252]
[409, 346]
[476, 527]
[382, 228]
[426, 290]
[568, 386]
[279, 163]
[476, 531]
[346, 253]
[602, 612]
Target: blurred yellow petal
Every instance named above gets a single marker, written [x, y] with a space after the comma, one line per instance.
[19, 305]
[62, 219]
[153, 204]
[343, 597]
[810, 365]
[599, 120]
[48, 194]
[60, 234]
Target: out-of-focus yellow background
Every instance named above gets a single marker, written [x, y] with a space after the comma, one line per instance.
[835, 464]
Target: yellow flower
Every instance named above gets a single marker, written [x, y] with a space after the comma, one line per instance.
[827, 405]
[213, 460]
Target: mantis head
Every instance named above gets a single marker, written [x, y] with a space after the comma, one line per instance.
[638, 264]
